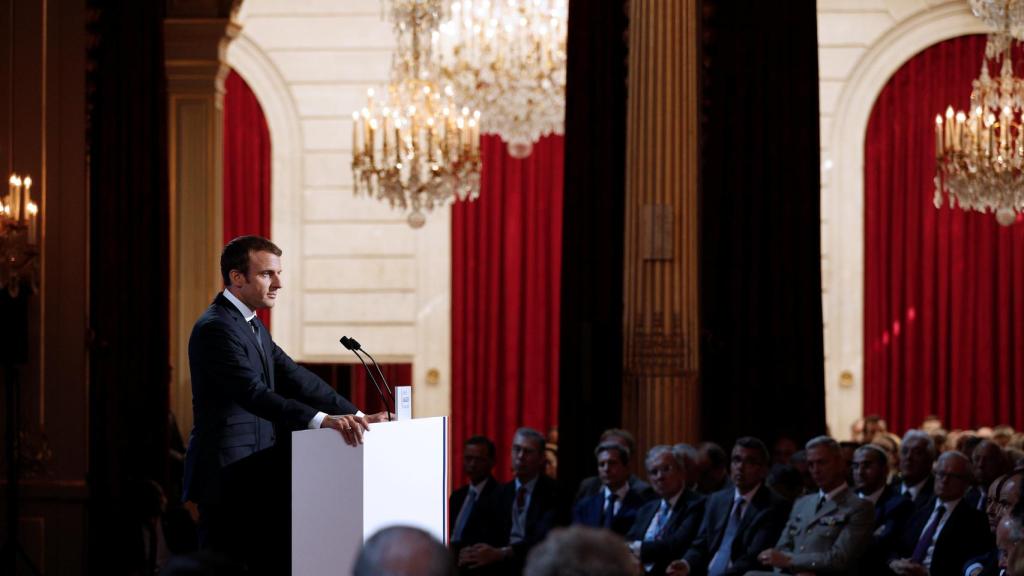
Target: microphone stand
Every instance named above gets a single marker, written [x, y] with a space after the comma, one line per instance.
[354, 347]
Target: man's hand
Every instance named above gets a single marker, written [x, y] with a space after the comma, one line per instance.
[479, 555]
[193, 510]
[776, 558]
[379, 417]
[350, 426]
[678, 568]
[907, 567]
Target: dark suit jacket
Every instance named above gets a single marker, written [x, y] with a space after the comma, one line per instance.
[891, 514]
[678, 534]
[592, 485]
[243, 396]
[476, 530]
[759, 529]
[540, 518]
[588, 511]
[964, 536]
[925, 495]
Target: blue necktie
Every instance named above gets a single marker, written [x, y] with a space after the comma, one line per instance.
[663, 513]
[721, 560]
[928, 536]
[609, 510]
[467, 509]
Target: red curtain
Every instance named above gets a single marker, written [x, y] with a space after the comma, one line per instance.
[365, 396]
[506, 264]
[944, 289]
[246, 166]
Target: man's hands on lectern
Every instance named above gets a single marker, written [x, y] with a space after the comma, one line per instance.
[379, 417]
[350, 426]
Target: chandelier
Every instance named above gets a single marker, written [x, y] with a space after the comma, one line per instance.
[508, 58]
[19, 235]
[416, 148]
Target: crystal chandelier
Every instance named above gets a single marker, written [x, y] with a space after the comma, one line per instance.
[508, 58]
[416, 148]
[19, 235]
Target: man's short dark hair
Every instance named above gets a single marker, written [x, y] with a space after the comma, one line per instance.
[620, 433]
[401, 551]
[621, 450]
[484, 441]
[717, 457]
[532, 434]
[755, 444]
[236, 254]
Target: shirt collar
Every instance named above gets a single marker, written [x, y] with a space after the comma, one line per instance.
[620, 493]
[672, 501]
[246, 312]
[748, 497]
[529, 485]
[915, 489]
[950, 506]
[479, 488]
[835, 492]
[874, 496]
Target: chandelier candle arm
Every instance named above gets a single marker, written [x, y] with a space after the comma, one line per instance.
[19, 235]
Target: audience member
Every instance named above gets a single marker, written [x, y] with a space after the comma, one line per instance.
[616, 505]
[524, 510]
[968, 442]
[786, 481]
[403, 551]
[783, 449]
[944, 534]
[930, 423]
[847, 449]
[1015, 457]
[827, 532]
[551, 454]
[917, 455]
[870, 472]
[592, 485]
[873, 426]
[739, 521]
[857, 431]
[472, 505]
[665, 528]
[988, 462]
[688, 454]
[1008, 535]
[580, 550]
[713, 464]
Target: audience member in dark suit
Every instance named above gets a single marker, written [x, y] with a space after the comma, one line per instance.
[713, 467]
[1002, 496]
[592, 484]
[616, 505]
[470, 506]
[665, 528]
[524, 510]
[942, 536]
[827, 532]
[917, 455]
[739, 521]
[988, 462]
[870, 471]
[245, 393]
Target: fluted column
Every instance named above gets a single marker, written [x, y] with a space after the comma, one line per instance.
[660, 395]
[196, 35]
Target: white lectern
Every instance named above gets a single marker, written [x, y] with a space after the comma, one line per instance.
[341, 494]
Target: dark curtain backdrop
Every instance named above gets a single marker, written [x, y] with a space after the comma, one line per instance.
[363, 393]
[593, 235]
[761, 351]
[246, 167]
[943, 289]
[506, 269]
[129, 255]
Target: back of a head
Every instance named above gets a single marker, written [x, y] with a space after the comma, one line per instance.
[580, 551]
[403, 551]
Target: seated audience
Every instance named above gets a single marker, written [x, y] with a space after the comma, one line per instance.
[988, 462]
[471, 505]
[944, 534]
[827, 532]
[783, 449]
[917, 455]
[592, 485]
[713, 467]
[1002, 435]
[786, 481]
[665, 528]
[580, 550]
[524, 511]
[739, 521]
[870, 471]
[616, 505]
[891, 444]
[403, 551]
[874, 426]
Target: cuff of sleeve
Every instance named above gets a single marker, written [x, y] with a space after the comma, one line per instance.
[634, 547]
[360, 413]
[317, 420]
[972, 568]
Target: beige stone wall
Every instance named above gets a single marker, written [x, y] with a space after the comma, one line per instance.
[860, 44]
[352, 266]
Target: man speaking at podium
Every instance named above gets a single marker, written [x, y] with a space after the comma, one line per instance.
[247, 396]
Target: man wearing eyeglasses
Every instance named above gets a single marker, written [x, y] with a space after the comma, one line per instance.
[947, 532]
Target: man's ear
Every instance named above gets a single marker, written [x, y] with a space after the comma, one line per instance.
[236, 277]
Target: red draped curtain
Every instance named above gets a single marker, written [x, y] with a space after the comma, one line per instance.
[944, 289]
[364, 394]
[246, 166]
[506, 264]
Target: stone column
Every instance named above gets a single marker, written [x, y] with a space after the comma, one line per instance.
[196, 35]
[660, 394]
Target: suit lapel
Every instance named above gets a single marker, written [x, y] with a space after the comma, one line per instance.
[249, 336]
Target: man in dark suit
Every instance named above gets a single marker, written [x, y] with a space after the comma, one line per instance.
[988, 462]
[739, 521]
[917, 455]
[593, 484]
[469, 506]
[524, 511]
[616, 505]
[665, 528]
[943, 535]
[870, 471]
[247, 394]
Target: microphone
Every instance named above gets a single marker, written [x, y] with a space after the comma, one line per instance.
[351, 344]
[354, 346]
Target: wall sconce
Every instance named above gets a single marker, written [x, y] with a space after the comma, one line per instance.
[19, 236]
